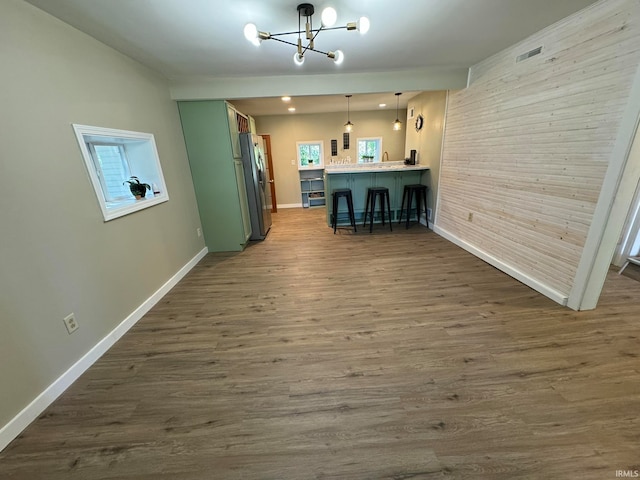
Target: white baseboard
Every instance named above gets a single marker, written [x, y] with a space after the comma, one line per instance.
[517, 274]
[22, 420]
[290, 205]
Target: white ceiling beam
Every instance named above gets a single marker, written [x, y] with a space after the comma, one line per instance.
[331, 84]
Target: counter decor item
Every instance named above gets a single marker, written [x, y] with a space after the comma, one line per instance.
[138, 190]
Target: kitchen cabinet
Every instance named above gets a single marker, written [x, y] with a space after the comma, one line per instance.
[233, 132]
[210, 131]
[359, 180]
[238, 123]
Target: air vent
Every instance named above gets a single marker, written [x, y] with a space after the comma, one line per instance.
[529, 54]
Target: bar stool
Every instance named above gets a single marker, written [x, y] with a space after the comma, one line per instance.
[339, 193]
[370, 205]
[420, 193]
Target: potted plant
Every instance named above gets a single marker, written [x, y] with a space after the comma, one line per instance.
[138, 190]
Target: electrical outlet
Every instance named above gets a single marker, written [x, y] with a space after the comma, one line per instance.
[70, 323]
[199, 232]
[470, 217]
[293, 162]
[429, 213]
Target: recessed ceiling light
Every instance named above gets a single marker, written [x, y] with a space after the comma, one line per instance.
[286, 99]
[382, 105]
[292, 109]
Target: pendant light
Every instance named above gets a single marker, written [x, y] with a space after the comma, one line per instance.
[397, 125]
[348, 127]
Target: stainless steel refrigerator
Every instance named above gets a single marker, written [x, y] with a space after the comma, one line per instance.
[257, 180]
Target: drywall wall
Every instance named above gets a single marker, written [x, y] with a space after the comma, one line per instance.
[528, 143]
[57, 255]
[286, 130]
[428, 140]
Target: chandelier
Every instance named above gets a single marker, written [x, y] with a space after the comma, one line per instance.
[306, 10]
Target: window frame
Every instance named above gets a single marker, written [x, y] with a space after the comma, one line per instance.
[378, 158]
[146, 160]
[318, 166]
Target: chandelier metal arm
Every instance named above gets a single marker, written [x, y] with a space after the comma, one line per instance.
[344, 27]
[271, 35]
[309, 45]
[284, 33]
[296, 45]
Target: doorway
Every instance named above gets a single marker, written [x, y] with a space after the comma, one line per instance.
[272, 180]
[629, 243]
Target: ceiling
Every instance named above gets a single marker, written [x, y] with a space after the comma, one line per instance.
[322, 103]
[192, 40]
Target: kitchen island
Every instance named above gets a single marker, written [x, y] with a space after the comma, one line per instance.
[359, 177]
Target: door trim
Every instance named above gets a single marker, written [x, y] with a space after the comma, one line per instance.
[272, 184]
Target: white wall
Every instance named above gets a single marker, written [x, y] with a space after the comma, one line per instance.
[527, 145]
[428, 141]
[57, 255]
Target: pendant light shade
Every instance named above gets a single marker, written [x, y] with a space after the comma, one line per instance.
[397, 125]
[348, 127]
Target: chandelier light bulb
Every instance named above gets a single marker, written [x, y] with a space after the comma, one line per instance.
[329, 17]
[397, 125]
[251, 33]
[298, 59]
[363, 25]
[337, 56]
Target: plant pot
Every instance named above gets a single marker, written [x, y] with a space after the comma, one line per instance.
[138, 193]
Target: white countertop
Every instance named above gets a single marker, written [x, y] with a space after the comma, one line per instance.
[372, 167]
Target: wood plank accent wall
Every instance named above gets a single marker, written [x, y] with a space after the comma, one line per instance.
[527, 144]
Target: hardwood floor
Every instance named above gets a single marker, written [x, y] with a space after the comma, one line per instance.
[392, 355]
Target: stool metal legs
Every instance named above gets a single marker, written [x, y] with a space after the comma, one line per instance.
[370, 206]
[352, 218]
[420, 193]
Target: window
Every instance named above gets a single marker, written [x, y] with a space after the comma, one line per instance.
[112, 157]
[369, 150]
[110, 162]
[310, 154]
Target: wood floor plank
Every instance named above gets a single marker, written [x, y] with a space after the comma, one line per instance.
[392, 355]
